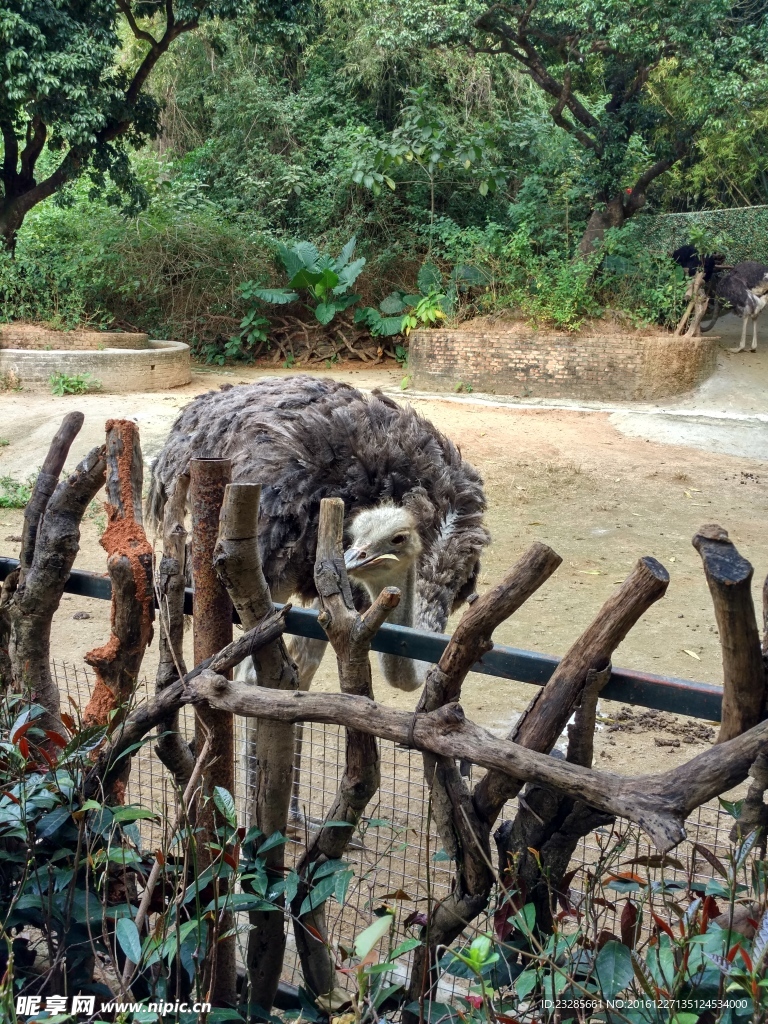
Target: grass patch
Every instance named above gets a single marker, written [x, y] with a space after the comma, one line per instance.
[73, 384]
[15, 493]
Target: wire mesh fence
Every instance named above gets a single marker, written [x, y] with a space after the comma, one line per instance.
[397, 853]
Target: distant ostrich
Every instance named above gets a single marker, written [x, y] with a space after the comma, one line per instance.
[745, 288]
[413, 507]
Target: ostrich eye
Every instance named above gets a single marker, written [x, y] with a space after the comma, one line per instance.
[400, 538]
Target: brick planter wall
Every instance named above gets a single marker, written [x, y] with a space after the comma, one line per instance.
[154, 366]
[549, 365]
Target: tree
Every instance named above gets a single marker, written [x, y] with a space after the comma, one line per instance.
[70, 101]
[634, 85]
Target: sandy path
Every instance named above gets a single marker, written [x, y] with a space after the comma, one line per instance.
[600, 498]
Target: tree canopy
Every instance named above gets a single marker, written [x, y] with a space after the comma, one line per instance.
[66, 88]
[634, 85]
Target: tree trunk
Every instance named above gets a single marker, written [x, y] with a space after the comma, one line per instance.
[613, 215]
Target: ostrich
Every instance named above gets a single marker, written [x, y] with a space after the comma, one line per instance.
[745, 288]
[414, 508]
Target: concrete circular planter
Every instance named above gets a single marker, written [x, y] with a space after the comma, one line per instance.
[121, 362]
[608, 367]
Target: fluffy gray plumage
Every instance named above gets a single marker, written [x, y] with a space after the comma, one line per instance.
[304, 439]
[743, 287]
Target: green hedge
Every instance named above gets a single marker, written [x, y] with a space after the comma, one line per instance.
[741, 233]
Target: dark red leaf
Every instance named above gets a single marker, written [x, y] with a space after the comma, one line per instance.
[661, 923]
[629, 925]
[56, 738]
[24, 747]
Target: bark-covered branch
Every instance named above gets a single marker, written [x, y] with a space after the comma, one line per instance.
[129, 564]
[37, 592]
[547, 714]
[171, 747]
[350, 635]
[658, 803]
[269, 745]
[176, 696]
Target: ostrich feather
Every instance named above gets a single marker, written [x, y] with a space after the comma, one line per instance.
[304, 439]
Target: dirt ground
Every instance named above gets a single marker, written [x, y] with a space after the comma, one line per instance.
[568, 477]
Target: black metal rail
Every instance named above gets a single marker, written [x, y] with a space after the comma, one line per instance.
[663, 693]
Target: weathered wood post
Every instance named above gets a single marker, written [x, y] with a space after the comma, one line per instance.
[129, 564]
[729, 578]
[269, 746]
[212, 625]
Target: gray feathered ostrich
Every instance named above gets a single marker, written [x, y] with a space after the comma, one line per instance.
[414, 508]
[745, 288]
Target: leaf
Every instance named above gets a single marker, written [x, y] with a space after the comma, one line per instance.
[760, 944]
[308, 254]
[276, 296]
[711, 859]
[429, 279]
[276, 839]
[392, 304]
[349, 275]
[406, 947]
[24, 721]
[368, 938]
[51, 823]
[318, 895]
[613, 968]
[691, 654]
[130, 813]
[629, 924]
[346, 254]
[225, 805]
[342, 885]
[128, 936]
[325, 312]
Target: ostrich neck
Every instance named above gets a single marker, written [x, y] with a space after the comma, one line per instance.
[402, 673]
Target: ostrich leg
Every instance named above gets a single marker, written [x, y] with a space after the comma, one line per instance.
[743, 343]
[754, 333]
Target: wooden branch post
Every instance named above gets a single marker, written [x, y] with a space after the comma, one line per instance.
[729, 578]
[212, 625]
[549, 711]
[350, 635]
[269, 745]
[171, 747]
[32, 594]
[45, 485]
[129, 564]
[465, 838]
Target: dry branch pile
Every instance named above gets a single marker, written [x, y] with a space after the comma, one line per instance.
[559, 799]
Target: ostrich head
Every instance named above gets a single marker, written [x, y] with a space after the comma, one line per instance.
[384, 551]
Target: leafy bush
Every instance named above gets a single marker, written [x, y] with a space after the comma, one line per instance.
[324, 280]
[73, 384]
[437, 298]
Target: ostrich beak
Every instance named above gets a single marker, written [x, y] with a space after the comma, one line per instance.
[356, 559]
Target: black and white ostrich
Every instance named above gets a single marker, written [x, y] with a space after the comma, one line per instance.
[745, 288]
[413, 507]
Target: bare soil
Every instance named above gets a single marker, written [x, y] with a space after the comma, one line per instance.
[569, 478]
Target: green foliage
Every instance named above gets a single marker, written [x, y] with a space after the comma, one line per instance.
[73, 384]
[69, 103]
[15, 493]
[436, 299]
[325, 280]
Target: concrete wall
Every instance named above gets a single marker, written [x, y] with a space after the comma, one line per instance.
[549, 365]
[159, 366]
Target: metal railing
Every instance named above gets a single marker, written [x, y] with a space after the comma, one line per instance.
[662, 693]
